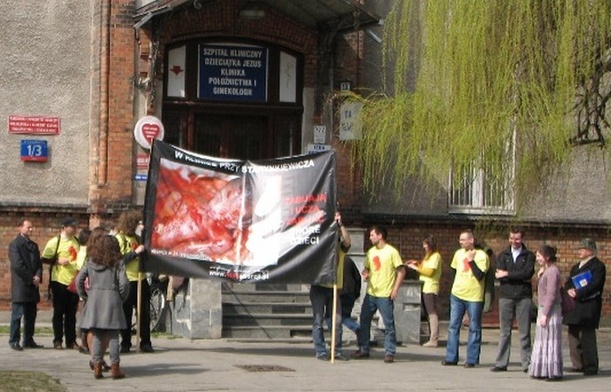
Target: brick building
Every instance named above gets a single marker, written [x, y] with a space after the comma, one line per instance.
[98, 67]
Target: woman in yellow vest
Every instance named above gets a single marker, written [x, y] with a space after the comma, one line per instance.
[429, 270]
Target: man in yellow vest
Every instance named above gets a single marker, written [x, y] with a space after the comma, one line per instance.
[132, 249]
[61, 253]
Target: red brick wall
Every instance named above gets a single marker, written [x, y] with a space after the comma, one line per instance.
[113, 145]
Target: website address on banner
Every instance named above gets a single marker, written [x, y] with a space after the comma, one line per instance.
[220, 272]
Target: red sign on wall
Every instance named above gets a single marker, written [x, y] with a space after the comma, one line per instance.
[142, 161]
[35, 125]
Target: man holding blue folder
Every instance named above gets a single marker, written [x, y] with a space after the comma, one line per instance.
[585, 285]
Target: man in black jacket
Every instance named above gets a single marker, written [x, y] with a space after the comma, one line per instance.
[585, 285]
[350, 293]
[26, 275]
[515, 267]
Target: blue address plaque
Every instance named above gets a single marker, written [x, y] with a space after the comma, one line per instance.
[34, 150]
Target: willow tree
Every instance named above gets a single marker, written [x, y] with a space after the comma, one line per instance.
[487, 84]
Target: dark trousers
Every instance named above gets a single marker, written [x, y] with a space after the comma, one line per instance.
[583, 348]
[65, 305]
[129, 307]
[27, 311]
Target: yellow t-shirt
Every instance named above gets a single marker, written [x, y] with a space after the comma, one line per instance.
[80, 257]
[431, 283]
[382, 264]
[465, 286]
[128, 244]
[68, 249]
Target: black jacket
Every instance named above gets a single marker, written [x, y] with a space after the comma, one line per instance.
[24, 256]
[518, 283]
[352, 279]
[588, 303]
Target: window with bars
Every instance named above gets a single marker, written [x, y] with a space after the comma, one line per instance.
[479, 192]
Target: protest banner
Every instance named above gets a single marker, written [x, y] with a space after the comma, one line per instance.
[269, 221]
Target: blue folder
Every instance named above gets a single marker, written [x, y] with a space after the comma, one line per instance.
[582, 280]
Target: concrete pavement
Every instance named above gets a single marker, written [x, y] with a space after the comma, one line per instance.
[180, 364]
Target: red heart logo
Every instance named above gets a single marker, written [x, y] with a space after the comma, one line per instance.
[150, 131]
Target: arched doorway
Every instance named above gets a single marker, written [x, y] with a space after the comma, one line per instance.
[233, 99]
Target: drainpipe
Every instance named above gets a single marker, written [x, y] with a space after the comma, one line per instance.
[104, 93]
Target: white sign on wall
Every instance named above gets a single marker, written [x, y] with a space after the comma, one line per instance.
[350, 126]
[176, 72]
[320, 134]
[288, 78]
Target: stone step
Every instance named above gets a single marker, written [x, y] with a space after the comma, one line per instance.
[267, 297]
[267, 319]
[237, 307]
[269, 332]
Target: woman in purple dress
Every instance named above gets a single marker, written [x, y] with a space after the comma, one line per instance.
[546, 359]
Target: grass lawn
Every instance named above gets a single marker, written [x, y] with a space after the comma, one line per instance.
[17, 381]
[4, 330]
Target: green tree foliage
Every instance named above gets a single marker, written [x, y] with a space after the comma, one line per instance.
[471, 79]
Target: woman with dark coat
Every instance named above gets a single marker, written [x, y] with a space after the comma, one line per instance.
[103, 314]
[585, 285]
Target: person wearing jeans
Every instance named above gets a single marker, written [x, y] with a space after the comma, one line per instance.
[321, 297]
[384, 272]
[467, 295]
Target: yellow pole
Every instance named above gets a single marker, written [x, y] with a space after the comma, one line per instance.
[138, 306]
[333, 322]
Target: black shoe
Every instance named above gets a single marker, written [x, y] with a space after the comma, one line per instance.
[323, 357]
[448, 363]
[73, 346]
[590, 372]
[147, 348]
[500, 369]
[16, 347]
[340, 357]
[358, 354]
[57, 345]
[33, 344]
[559, 378]
[576, 370]
[469, 365]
